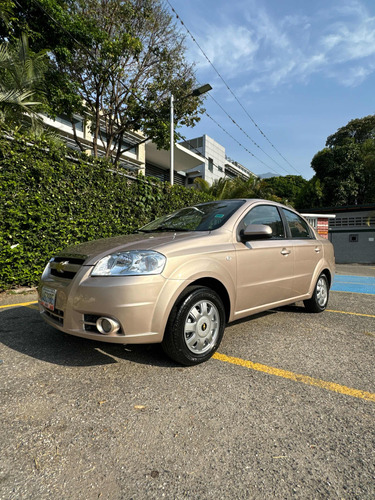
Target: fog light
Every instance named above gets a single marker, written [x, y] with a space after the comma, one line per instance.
[107, 326]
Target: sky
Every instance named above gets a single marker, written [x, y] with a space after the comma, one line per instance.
[297, 70]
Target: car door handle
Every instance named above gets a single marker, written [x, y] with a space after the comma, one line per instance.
[285, 251]
[317, 249]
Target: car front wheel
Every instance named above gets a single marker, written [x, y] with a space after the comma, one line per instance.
[319, 300]
[195, 326]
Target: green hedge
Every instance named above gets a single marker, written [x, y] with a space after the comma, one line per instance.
[52, 197]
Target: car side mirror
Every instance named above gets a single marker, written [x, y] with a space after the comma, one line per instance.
[256, 232]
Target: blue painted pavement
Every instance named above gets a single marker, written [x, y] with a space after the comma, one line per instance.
[355, 284]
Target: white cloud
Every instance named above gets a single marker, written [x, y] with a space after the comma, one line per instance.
[271, 51]
[355, 75]
[227, 46]
[350, 42]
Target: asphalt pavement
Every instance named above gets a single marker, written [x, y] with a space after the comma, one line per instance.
[286, 409]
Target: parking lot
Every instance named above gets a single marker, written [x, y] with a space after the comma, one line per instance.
[285, 409]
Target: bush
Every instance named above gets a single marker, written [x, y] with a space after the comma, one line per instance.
[52, 197]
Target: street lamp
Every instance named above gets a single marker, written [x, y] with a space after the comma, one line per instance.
[195, 93]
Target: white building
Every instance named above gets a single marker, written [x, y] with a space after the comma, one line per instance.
[139, 157]
[201, 157]
[215, 164]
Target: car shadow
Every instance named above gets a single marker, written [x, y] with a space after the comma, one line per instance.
[291, 308]
[295, 308]
[253, 317]
[23, 330]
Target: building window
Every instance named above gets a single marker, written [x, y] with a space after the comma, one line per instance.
[125, 145]
[366, 220]
[353, 238]
[65, 120]
[164, 175]
[210, 164]
[194, 144]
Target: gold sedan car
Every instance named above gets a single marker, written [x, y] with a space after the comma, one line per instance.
[181, 278]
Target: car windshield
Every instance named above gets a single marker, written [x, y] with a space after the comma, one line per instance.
[203, 217]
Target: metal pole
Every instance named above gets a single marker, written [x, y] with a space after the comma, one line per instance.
[171, 178]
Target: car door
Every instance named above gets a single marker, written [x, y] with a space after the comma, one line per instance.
[307, 250]
[264, 266]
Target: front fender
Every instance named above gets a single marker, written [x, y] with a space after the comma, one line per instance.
[221, 269]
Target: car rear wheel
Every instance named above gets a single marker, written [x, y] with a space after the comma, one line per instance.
[319, 300]
[195, 326]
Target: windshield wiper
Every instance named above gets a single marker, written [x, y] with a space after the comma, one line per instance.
[164, 230]
[175, 229]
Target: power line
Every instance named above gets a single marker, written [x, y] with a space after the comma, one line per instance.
[246, 134]
[241, 145]
[227, 86]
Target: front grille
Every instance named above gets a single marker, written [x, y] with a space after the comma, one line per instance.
[63, 274]
[89, 323]
[65, 266]
[57, 315]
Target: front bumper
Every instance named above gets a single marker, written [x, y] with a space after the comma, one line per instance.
[131, 300]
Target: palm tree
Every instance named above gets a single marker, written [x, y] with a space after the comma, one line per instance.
[201, 185]
[6, 11]
[225, 188]
[21, 75]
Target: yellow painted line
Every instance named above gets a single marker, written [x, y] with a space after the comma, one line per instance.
[19, 305]
[353, 314]
[304, 379]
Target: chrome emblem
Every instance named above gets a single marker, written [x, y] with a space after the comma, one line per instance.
[60, 266]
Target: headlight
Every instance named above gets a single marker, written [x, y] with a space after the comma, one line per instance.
[134, 262]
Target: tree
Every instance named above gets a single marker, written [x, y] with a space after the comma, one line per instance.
[340, 169]
[6, 12]
[21, 76]
[346, 167]
[358, 131]
[116, 63]
[368, 157]
[288, 187]
[311, 195]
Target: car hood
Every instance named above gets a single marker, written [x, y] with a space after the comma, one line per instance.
[92, 251]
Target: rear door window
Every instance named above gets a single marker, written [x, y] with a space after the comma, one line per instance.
[299, 229]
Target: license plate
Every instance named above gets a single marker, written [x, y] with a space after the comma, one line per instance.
[48, 298]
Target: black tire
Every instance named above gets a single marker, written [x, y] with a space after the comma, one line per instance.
[319, 300]
[195, 326]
